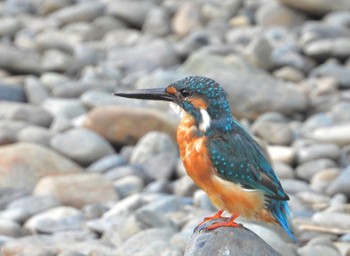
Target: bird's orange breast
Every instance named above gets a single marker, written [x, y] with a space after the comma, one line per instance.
[223, 194]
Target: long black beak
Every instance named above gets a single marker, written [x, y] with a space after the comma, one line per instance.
[147, 94]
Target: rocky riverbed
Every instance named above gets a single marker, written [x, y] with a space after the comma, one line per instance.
[85, 173]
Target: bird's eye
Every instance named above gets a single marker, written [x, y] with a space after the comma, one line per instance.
[184, 93]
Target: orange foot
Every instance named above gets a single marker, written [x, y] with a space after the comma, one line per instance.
[215, 216]
[229, 223]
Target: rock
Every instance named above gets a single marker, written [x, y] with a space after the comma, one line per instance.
[10, 194]
[9, 130]
[36, 93]
[155, 54]
[288, 54]
[13, 7]
[106, 163]
[97, 98]
[55, 60]
[133, 13]
[152, 144]
[160, 166]
[193, 42]
[283, 171]
[9, 26]
[322, 179]
[12, 93]
[340, 184]
[119, 228]
[273, 131]
[258, 52]
[72, 189]
[339, 112]
[336, 134]
[49, 6]
[19, 60]
[274, 13]
[319, 7]
[124, 171]
[77, 13]
[327, 48]
[280, 98]
[319, 249]
[157, 22]
[154, 220]
[294, 186]
[128, 185]
[332, 69]
[10, 228]
[35, 134]
[28, 206]
[151, 242]
[157, 186]
[81, 145]
[68, 108]
[201, 200]
[184, 186]
[337, 220]
[164, 204]
[288, 73]
[23, 164]
[126, 205]
[276, 238]
[229, 241]
[281, 154]
[52, 80]
[124, 131]
[102, 25]
[316, 151]
[187, 19]
[25, 112]
[53, 245]
[308, 169]
[94, 211]
[55, 220]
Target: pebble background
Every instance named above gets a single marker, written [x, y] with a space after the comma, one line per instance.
[85, 173]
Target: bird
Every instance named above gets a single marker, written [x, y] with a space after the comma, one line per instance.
[220, 156]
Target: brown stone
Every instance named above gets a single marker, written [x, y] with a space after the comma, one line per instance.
[23, 164]
[126, 125]
[77, 190]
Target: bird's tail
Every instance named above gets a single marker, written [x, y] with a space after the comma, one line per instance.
[280, 210]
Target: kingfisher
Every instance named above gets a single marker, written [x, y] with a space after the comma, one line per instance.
[219, 154]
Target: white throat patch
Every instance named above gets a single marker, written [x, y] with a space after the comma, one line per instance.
[205, 124]
[177, 109]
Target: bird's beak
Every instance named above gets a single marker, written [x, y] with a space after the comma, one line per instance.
[147, 94]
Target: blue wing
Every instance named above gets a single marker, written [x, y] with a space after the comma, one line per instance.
[239, 159]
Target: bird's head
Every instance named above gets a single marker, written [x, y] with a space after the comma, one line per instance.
[201, 97]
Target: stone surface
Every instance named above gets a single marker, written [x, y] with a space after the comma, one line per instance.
[272, 98]
[81, 145]
[318, 7]
[150, 241]
[340, 184]
[117, 124]
[214, 242]
[71, 189]
[337, 134]
[308, 169]
[55, 220]
[24, 112]
[23, 164]
[35, 134]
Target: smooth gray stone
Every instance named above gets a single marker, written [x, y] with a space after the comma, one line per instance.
[227, 241]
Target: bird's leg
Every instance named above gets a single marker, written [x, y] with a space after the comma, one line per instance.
[229, 223]
[215, 216]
